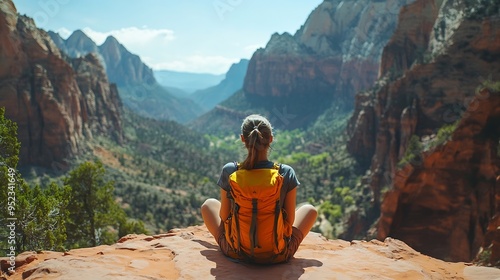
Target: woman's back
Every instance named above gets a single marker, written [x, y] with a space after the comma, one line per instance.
[236, 216]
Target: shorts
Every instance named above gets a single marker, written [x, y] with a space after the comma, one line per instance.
[293, 244]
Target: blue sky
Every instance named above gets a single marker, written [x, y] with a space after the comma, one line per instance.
[204, 36]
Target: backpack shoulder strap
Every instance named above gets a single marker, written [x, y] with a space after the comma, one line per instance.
[277, 166]
[228, 193]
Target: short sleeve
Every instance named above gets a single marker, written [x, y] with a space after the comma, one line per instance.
[290, 178]
[227, 170]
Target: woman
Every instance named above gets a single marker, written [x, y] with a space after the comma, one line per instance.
[256, 134]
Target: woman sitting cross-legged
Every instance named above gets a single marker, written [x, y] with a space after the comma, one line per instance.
[255, 219]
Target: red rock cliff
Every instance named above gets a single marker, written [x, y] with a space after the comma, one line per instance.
[441, 205]
[335, 54]
[439, 54]
[53, 104]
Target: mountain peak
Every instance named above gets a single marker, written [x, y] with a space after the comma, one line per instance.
[79, 44]
[111, 40]
[112, 47]
[283, 43]
[79, 35]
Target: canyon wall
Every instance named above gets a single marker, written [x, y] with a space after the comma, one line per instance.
[334, 55]
[55, 105]
[439, 55]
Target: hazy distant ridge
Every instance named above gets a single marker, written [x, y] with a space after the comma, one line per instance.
[187, 82]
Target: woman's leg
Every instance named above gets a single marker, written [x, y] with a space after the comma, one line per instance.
[305, 217]
[210, 213]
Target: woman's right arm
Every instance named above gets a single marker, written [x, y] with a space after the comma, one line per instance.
[289, 205]
[225, 207]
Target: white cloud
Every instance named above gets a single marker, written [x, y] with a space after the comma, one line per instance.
[156, 47]
[249, 50]
[97, 37]
[63, 32]
[133, 37]
[198, 64]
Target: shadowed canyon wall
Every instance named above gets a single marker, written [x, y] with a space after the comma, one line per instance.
[431, 68]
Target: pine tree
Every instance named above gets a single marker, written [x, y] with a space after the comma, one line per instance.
[94, 216]
[9, 157]
[92, 208]
[41, 217]
[39, 214]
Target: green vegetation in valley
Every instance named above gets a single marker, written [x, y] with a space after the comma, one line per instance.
[163, 171]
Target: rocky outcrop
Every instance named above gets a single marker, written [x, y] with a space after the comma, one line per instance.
[42, 94]
[439, 54]
[192, 253]
[101, 109]
[441, 204]
[334, 55]
[123, 67]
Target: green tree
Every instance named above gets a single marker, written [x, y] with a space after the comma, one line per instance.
[127, 226]
[94, 216]
[39, 214]
[9, 157]
[92, 208]
[41, 217]
[9, 145]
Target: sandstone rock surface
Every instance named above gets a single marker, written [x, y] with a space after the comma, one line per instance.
[192, 253]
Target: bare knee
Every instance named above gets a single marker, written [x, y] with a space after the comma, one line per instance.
[210, 214]
[211, 206]
[211, 202]
[305, 217]
[308, 210]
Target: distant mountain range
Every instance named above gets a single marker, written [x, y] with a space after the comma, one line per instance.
[207, 90]
[208, 98]
[185, 81]
[162, 94]
[136, 83]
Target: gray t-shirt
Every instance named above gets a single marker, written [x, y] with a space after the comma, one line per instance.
[290, 180]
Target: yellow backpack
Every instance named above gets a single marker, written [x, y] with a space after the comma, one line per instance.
[256, 229]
